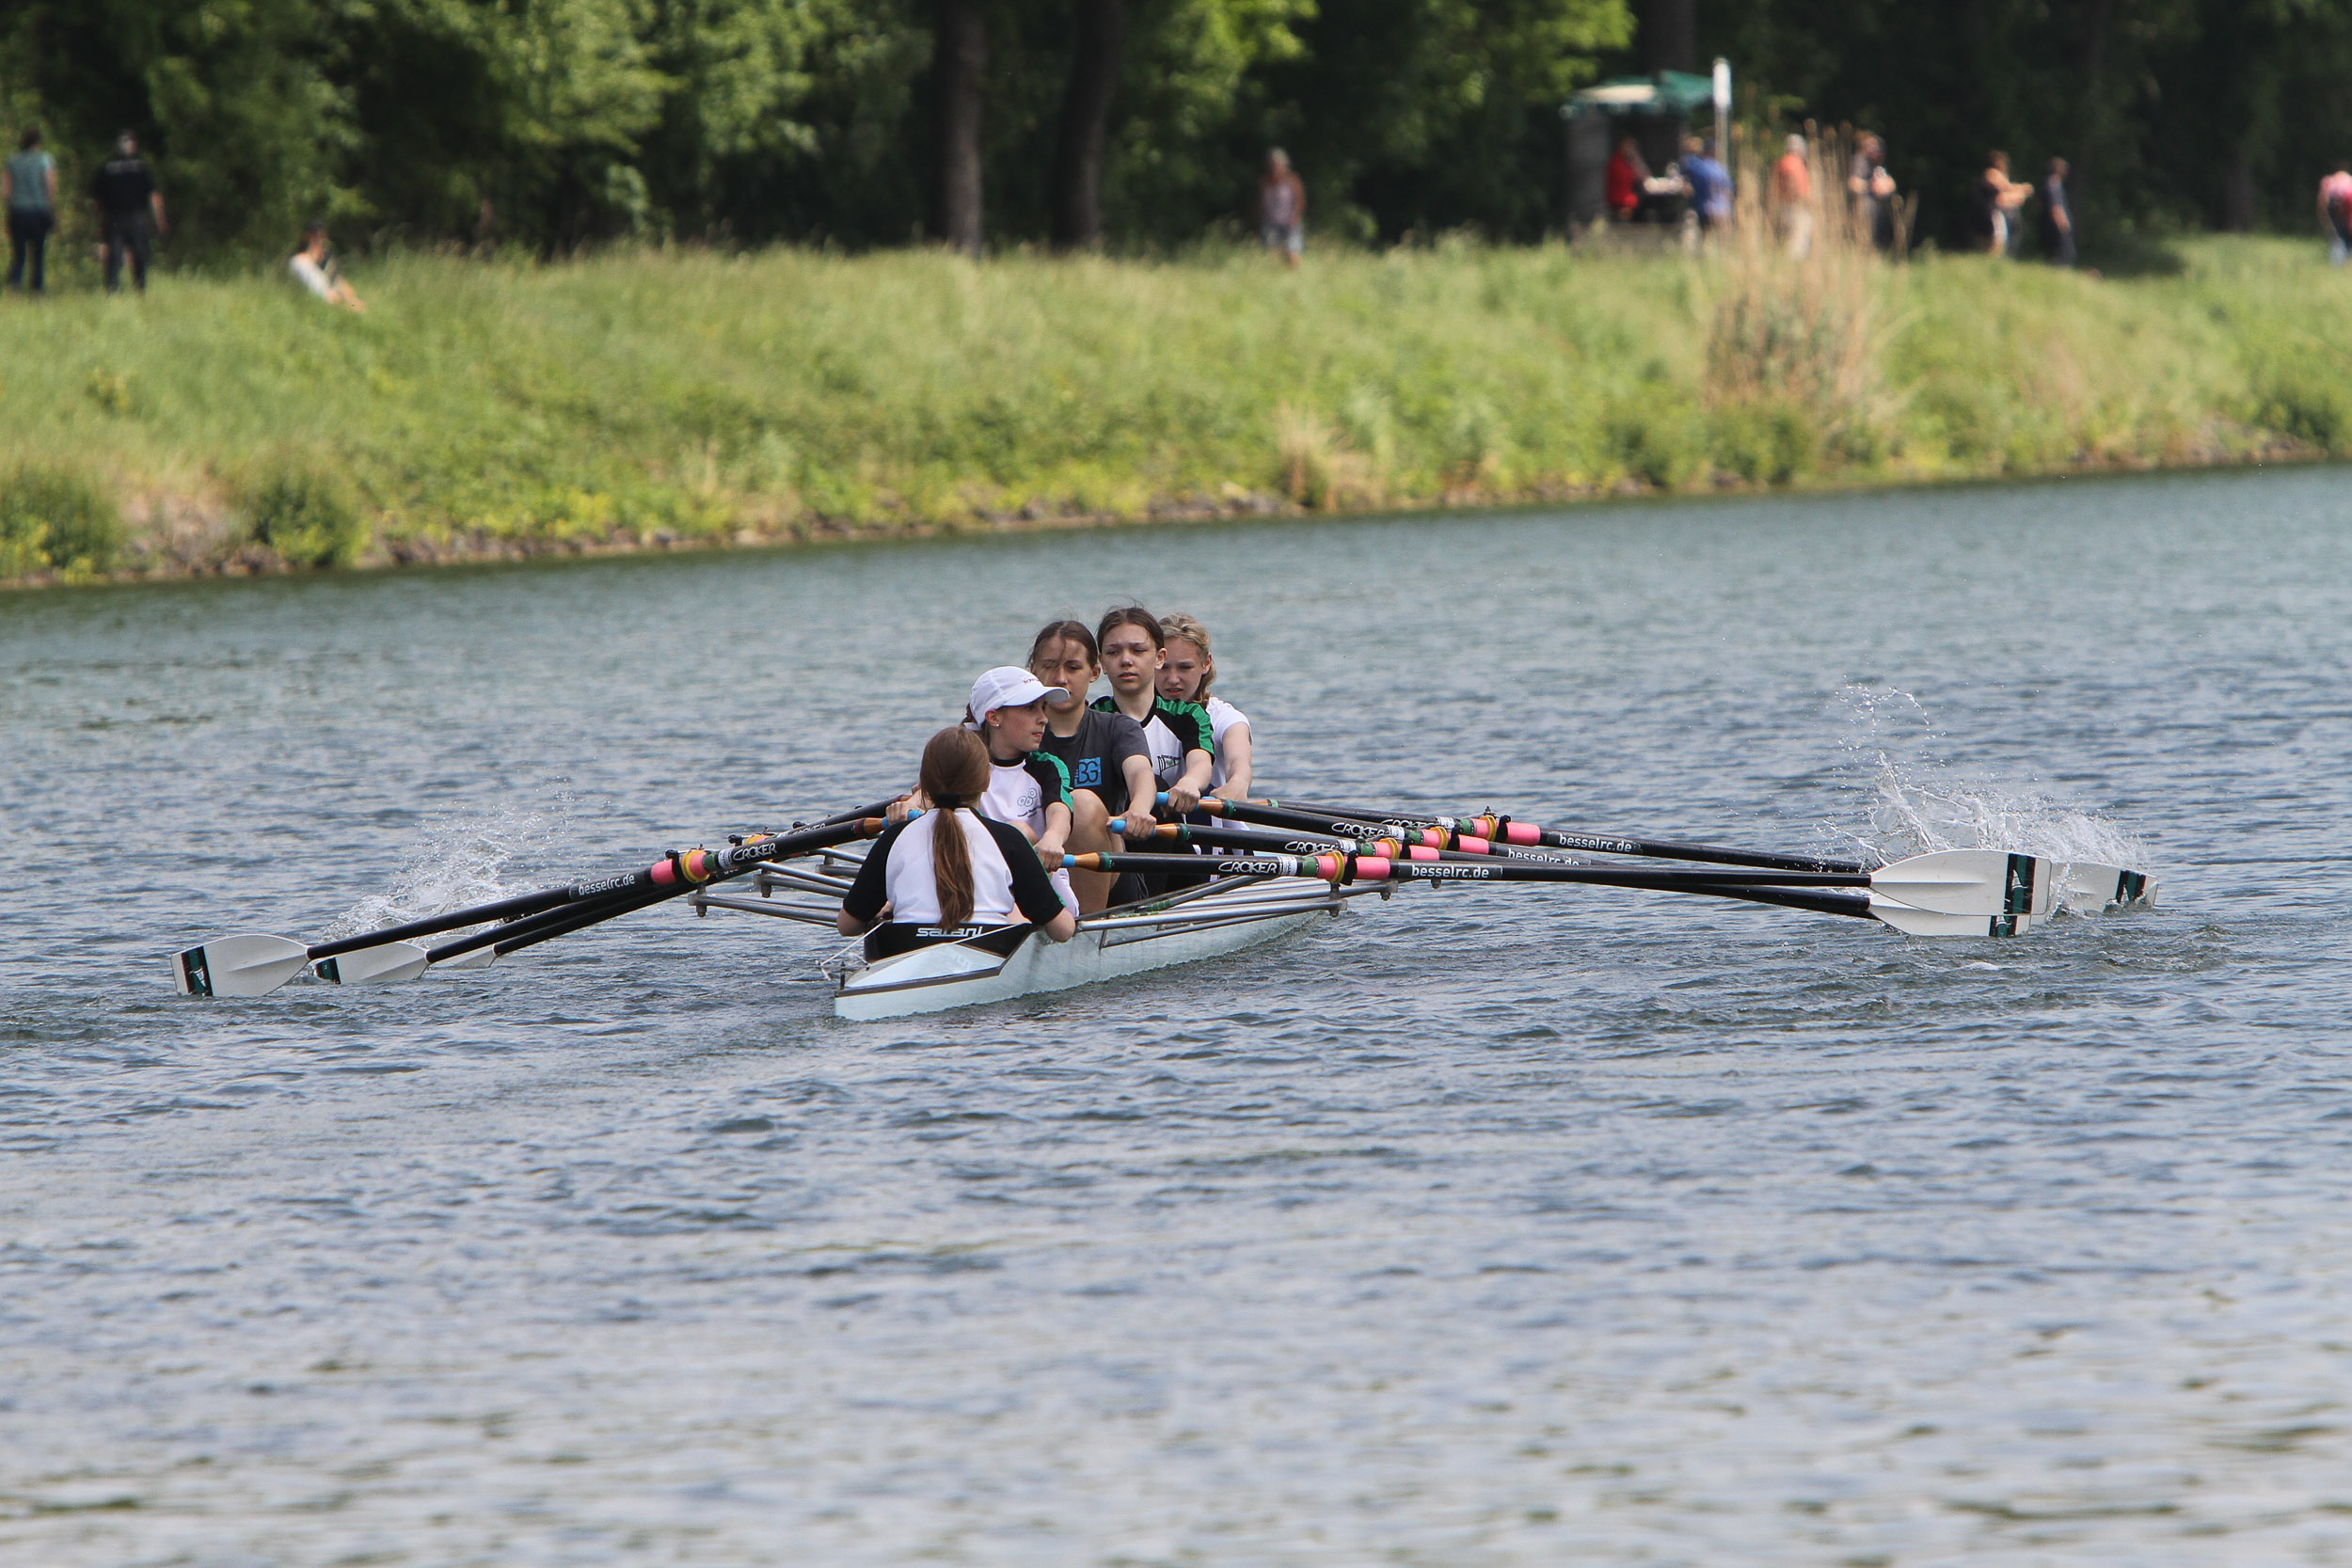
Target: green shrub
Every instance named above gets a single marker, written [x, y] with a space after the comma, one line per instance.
[308, 516]
[2307, 399]
[1770, 443]
[1655, 436]
[52, 517]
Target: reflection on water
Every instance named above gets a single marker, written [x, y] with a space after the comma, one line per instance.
[1480, 1225]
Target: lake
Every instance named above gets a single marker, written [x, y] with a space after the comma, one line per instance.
[1495, 1226]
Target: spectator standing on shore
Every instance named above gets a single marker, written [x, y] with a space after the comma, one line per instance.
[1995, 199]
[130, 212]
[2058, 216]
[1792, 198]
[2335, 212]
[316, 270]
[1872, 191]
[1282, 208]
[1626, 175]
[28, 184]
[1709, 182]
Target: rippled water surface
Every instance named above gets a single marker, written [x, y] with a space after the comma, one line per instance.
[1510, 1225]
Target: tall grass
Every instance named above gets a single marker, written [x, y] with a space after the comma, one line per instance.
[664, 396]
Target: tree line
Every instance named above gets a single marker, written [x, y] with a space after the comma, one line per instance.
[1137, 124]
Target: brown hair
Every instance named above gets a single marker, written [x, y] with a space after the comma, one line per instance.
[1195, 633]
[1128, 615]
[955, 774]
[1064, 631]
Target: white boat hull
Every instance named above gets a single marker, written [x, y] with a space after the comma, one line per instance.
[954, 974]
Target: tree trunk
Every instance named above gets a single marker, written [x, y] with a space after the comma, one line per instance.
[1670, 35]
[1086, 116]
[2238, 194]
[2085, 158]
[959, 72]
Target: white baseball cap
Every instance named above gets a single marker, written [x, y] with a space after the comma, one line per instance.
[1007, 685]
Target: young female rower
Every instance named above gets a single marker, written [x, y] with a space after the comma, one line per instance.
[1182, 751]
[950, 872]
[1027, 789]
[1110, 763]
[1185, 675]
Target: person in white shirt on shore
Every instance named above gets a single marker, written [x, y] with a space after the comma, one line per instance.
[316, 271]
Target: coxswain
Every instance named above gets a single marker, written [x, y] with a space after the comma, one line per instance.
[1185, 675]
[1110, 763]
[1027, 789]
[950, 874]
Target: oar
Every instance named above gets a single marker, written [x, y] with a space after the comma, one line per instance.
[1502, 829]
[254, 964]
[667, 879]
[1970, 883]
[1417, 844]
[2083, 887]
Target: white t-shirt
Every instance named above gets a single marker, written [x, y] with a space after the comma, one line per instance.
[310, 274]
[1017, 791]
[1018, 794]
[1223, 716]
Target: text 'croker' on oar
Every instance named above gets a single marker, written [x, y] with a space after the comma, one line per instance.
[255, 964]
[1966, 883]
[1502, 829]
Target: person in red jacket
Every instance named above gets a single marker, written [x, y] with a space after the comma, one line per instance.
[1625, 173]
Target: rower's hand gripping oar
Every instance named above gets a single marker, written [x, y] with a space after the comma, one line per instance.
[255, 964]
[1950, 893]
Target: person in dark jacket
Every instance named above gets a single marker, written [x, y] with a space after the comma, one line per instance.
[130, 212]
[2058, 216]
[30, 185]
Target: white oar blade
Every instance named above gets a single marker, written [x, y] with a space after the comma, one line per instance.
[249, 965]
[1967, 881]
[481, 958]
[2086, 887]
[1930, 922]
[378, 965]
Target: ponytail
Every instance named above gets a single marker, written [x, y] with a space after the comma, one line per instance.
[954, 775]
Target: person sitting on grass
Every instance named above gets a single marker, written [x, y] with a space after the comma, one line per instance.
[316, 270]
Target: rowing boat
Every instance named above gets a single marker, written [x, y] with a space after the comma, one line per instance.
[1222, 915]
[1320, 864]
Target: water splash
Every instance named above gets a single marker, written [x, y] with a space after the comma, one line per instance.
[1918, 801]
[461, 861]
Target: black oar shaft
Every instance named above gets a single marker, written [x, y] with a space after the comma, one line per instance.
[1338, 864]
[504, 908]
[563, 922]
[1503, 830]
[667, 877]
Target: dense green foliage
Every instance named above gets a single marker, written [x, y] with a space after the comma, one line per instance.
[552, 123]
[53, 519]
[658, 397]
[2174, 112]
[549, 123]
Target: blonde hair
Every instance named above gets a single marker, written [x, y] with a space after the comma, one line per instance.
[1195, 633]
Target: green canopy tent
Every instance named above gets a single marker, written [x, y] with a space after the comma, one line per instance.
[1656, 111]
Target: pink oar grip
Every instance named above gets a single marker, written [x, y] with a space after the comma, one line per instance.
[1521, 832]
[1371, 868]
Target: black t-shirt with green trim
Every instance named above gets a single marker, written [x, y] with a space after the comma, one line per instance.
[1174, 730]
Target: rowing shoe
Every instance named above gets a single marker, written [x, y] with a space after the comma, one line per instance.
[254, 964]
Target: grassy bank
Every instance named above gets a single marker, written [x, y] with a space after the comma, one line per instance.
[655, 399]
